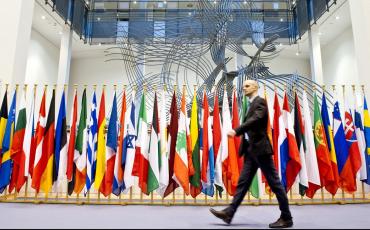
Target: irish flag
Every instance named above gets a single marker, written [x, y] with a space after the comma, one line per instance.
[141, 162]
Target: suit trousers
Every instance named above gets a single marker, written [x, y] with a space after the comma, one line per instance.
[251, 164]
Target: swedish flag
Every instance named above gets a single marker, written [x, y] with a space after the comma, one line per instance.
[6, 161]
[367, 138]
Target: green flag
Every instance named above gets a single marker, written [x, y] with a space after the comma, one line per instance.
[80, 147]
[154, 151]
[195, 184]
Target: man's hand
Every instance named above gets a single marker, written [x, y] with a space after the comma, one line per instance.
[231, 133]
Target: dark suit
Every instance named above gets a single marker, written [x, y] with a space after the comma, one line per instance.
[255, 125]
[258, 154]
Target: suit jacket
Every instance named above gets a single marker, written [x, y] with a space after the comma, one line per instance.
[255, 125]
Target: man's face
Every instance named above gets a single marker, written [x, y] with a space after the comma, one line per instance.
[249, 87]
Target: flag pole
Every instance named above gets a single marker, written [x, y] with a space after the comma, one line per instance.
[322, 189]
[5, 95]
[15, 190]
[5, 193]
[120, 194]
[363, 183]
[110, 195]
[152, 193]
[227, 194]
[343, 89]
[333, 197]
[173, 192]
[35, 198]
[166, 129]
[78, 198]
[354, 96]
[88, 196]
[173, 197]
[26, 190]
[195, 88]
[130, 197]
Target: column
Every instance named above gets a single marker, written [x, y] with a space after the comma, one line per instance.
[64, 61]
[315, 55]
[239, 63]
[15, 23]
[361, 35]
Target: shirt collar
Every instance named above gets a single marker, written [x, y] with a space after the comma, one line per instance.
[252, 99]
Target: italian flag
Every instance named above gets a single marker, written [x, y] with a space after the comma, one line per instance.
[26, 148]
[141, 163]
[154, 151]
[81, 148]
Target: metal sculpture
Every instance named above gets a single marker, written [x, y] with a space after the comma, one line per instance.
[185, 59]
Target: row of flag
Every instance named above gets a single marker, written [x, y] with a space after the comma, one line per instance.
[192, 153]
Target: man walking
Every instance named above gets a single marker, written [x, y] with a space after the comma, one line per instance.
[258, 152]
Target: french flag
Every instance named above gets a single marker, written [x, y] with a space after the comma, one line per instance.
[290, 158]
[280, 141]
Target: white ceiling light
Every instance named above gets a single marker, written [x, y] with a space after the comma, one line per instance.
[43, 17]
[60, 32]
[337, 17]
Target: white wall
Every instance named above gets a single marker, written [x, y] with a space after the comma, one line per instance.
[340, 68]
[42, 61]
[361, 35]
[90, 71]
[95, 70]
[42, 68]
[15, 23]
[285, 65]
[339, 63]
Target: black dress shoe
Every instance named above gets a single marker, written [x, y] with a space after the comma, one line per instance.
[223, 215]
[281, 223]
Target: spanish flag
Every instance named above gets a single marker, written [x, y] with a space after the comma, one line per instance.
[100, 156]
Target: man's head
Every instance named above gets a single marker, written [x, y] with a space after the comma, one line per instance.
[250, 88]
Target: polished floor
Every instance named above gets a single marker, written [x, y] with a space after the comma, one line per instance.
[102, 216]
